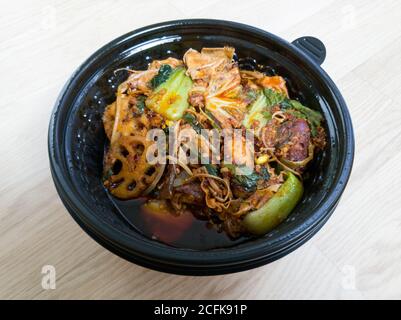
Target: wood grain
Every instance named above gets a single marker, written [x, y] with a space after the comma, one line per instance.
[357, 253]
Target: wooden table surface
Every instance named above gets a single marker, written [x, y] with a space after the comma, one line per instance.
[357, 254]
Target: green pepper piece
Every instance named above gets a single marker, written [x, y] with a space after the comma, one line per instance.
[277, 208]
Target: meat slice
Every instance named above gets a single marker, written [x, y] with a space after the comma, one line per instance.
[190, 193]
[291, 138]
[296, 148]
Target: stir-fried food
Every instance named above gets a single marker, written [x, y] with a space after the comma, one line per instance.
[231, 144]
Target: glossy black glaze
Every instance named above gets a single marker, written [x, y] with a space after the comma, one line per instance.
[76, 140]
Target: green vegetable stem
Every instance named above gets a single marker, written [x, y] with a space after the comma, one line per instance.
[170, 98]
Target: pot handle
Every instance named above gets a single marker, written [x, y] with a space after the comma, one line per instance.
[313, 47]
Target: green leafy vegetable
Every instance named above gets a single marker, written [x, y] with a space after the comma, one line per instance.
[297, 114]
[312, 115]
[140, 103]
[267, 114]
[249, 178]
[191, 119]
[211, 169]
[252, 94]
[264, 173]
[285, 104]
[170, 99]
[300, 111]
[213, 120]
[257, 115]
[259, 112]
[162, 76]
[273, 97]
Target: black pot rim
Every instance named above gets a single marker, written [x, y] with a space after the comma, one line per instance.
[184, 261]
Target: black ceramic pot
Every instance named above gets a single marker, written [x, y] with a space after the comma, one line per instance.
[76, 141]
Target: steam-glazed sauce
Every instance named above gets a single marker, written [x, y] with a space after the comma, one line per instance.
[183, 231]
